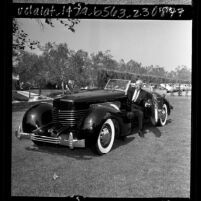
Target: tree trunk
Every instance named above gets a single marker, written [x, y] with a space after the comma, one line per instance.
[68, 88]
[39, 91]
[62, 86]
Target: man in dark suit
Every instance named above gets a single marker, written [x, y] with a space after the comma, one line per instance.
[137, 98]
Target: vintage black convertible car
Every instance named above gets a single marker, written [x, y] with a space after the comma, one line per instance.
[89, 118]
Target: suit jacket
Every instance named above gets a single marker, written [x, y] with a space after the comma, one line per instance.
[142, 98]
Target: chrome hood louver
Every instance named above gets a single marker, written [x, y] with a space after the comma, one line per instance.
[70, 118]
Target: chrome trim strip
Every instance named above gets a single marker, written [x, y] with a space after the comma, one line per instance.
[44, 137]
[68, 117]
[71, 142]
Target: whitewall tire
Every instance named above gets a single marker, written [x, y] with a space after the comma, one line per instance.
[154, 117]
[106, 137]
[163, 116]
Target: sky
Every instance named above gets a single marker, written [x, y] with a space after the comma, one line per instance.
[149, 42]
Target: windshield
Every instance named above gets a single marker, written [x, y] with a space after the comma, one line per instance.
[117, 84]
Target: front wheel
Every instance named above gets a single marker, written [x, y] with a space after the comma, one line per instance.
[163, 116]
[106, 137]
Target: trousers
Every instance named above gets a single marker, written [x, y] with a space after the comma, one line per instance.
[140, 114]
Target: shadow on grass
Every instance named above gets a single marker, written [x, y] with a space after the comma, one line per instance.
[89, 153]
[169, 121]
[155, 129]
[76, 153]
[124, 142]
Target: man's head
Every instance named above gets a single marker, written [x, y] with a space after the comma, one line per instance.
[138, 84]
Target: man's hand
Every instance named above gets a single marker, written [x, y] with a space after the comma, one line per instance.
[148, 103]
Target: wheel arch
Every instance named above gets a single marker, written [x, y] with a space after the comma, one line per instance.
[165, 101]
[97, 116]
[36, 116]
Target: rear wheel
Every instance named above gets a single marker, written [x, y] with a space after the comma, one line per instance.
[106, 137]
[163, 115]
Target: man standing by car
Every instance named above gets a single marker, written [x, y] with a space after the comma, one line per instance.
[137, 100]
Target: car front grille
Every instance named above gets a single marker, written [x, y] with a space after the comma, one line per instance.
[70, 118]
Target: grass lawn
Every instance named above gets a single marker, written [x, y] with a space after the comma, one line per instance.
[155, 166]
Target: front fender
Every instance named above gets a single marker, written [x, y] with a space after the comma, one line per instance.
[37, 116]
[96, 117]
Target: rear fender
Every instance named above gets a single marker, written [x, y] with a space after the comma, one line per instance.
[162, 100]
[169, 106]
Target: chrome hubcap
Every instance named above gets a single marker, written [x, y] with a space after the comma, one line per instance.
[163, 114]
[105, 136]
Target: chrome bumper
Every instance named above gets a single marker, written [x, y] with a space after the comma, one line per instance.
[70, 142]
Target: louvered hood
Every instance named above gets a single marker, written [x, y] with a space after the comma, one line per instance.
[83, 100]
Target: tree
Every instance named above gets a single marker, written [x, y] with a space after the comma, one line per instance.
[158, 71]
[80, 66]
[172, 75]
[183, 73]
[26, 67]
[56, 58]
[21, 39]
[104, 60]
[42, 75]
[32, 70]
[133, 66]
[121, 65]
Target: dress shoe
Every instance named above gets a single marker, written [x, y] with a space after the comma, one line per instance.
[145, 131]
[141, 134]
